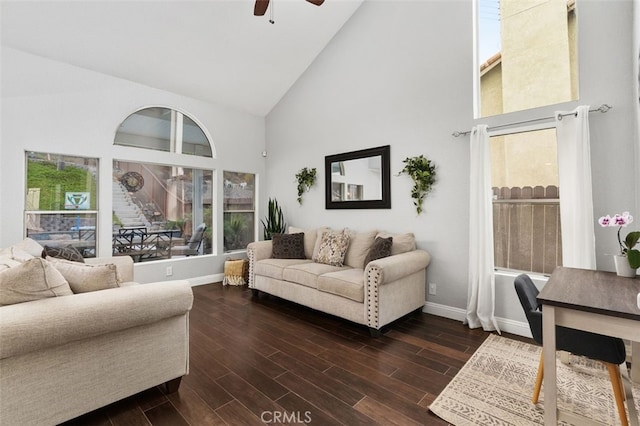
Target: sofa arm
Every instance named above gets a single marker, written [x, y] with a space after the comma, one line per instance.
[256, 251]
[392, 268]
[259, 250]
[30, 326]
[124, 265]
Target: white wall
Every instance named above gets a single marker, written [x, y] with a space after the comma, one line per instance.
[400, 73]
[53, 107]
[636, 92]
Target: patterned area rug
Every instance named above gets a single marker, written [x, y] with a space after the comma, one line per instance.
[495, 386]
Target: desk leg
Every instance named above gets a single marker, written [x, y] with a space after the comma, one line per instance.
[549, 351]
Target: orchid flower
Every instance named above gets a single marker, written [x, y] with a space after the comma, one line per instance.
[626, 247]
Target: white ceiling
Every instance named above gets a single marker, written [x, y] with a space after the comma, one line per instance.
[214, 50]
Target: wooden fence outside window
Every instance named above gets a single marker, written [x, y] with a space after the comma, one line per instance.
[526, 228]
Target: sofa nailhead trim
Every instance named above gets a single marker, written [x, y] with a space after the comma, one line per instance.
[372, 299]
[251, 255]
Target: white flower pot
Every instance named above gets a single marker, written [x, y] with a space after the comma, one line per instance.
[622, 266]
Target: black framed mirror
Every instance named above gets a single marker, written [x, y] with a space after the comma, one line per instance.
[358, 179]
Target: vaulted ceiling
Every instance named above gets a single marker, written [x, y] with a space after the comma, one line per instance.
[213, 50]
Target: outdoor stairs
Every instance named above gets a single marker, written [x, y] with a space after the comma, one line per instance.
[125, 209]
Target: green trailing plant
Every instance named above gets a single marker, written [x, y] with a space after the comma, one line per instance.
[305, 178]
[423, 173]
[275, 223]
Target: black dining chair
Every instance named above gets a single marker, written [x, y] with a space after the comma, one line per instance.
[608, 350]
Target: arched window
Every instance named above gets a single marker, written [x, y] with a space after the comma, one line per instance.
[162, 211]
[163, 129]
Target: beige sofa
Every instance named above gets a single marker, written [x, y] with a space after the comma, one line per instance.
[64, 356]
[373, 295]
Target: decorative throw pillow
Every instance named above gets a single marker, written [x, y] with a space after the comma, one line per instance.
[12, 256]
[333, 247]
[288, 246]
[33, 279]
[83, 277]
[380, 248]
[30, 246]
[68, 252]
[402, 243]
[16, 254]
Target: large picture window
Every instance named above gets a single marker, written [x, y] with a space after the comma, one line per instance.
[61, 201]
[239, 210]
[160, 211]
[526, 201]
[526, 54]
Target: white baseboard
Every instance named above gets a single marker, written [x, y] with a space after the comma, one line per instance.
[444, 311]
[505, 324]
[206, 279]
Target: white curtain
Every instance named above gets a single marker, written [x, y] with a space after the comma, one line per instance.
[481, 293]
[574, 178]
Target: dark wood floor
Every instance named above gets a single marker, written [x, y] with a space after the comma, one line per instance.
[265, 360]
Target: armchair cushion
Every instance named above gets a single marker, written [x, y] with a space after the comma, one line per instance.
[83, 278]
[31, 280]
[13, 256]
[31, 246]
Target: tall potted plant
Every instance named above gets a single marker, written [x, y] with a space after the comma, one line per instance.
[275, 223]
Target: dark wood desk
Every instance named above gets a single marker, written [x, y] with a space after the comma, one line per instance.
[596, 301]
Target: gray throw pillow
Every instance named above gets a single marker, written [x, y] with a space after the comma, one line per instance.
[288, 246]
[380, 248]
[67, 253]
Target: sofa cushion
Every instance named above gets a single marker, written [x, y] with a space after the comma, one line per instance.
[380, 248]
[316, 245]
[33, 279]
[402, 243]
[347, 283]
[273, 268]
[67, 252]
[16, 253]
[333, 247]
[307, 274]
[359, 245]
[310, 237]
[83, 278]
[30, 246]
[288, 246]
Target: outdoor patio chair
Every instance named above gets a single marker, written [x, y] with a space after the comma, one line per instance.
[192, 248]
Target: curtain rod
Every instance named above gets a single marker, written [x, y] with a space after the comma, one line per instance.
[602, 108]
